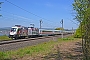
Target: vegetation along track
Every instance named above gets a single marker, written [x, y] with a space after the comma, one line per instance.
[13, 45]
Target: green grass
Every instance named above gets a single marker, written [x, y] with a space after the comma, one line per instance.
[42, 48]
[4, 37]
[68, 38]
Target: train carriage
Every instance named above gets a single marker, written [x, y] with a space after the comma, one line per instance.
[32, 32]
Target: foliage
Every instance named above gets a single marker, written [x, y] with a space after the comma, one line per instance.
[77, 33]
[82, 8]
[80, 31]
[59, 29]
[82, 13]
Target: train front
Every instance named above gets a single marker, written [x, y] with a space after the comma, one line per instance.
[14, 32]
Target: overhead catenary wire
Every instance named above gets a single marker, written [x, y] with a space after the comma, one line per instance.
[27, 11]
[74, 22]
[24, 19]
[17, 15]
[10, 20]
[22, 8]
[12, 16]
[20, 17]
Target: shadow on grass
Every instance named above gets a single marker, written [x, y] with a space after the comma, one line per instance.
[55, 56]
[73, 54]
[77, 52]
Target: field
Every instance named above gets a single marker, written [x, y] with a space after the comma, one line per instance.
[52, 50]
[4, 38]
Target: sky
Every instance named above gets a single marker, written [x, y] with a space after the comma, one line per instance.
[26, 12]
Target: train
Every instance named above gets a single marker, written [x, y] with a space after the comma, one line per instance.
[19, 31]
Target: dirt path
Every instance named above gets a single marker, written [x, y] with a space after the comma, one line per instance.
[70, 50]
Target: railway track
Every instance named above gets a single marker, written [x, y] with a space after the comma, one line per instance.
[27, 39]
[21, 40]
[20, 43]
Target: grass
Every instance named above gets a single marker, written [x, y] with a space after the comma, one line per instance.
[4, 37]
[42, 48]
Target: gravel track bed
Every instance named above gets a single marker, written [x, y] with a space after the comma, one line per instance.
[17, 45]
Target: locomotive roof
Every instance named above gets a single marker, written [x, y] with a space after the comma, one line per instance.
[16, 27]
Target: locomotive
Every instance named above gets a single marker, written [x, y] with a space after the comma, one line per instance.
[19, 31]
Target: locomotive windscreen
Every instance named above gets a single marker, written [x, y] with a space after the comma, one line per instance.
[13, 29]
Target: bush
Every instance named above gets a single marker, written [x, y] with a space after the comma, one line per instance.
[78, 33]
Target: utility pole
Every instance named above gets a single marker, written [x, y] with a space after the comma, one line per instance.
[62, 26]
[72, 31]
[41, 25]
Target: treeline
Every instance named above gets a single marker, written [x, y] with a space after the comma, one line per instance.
[59, 29]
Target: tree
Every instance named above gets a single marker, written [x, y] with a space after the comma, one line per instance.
[82, 8]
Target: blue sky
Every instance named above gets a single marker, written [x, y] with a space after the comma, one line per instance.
[50, 11]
